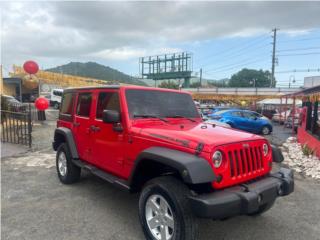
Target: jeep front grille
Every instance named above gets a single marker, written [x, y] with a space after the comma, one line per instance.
[245, 161]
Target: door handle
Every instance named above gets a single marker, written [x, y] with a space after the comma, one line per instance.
[94, 128]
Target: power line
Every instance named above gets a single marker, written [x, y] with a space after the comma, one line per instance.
[247, 45]
[298, 54]
[243, 61]
[232, 56]
[297, 49]
[239, 65]
[299, 70]
[298, 40]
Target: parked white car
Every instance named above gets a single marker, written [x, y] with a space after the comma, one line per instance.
[55, 98]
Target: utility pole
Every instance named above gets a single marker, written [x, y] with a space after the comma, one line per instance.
[273, 55]
[200, 77]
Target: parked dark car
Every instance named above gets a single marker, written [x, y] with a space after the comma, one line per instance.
[9, 103]
[244, 120]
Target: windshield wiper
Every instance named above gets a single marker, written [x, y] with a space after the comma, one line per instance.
[149, 116]
[179, 116]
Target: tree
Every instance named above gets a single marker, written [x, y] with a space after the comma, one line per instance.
[168, 84]
[251, 78]
[195, 85]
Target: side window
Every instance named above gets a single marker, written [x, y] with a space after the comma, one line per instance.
[107, 101]
[84, 104]
[67, 104]
[249, 115]
[236, 114]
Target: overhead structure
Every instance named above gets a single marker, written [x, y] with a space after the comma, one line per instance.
[248, 94]
[57, 79]
[167, 67]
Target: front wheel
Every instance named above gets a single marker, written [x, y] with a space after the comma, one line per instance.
[164, 210]
[56, 105]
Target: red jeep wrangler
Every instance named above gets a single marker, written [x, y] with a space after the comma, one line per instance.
[154, 141]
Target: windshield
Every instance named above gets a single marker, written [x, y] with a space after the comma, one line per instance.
[160, 104]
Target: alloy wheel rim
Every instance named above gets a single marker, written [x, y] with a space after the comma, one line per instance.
[159, 217]
[62, 164]
[265, 130]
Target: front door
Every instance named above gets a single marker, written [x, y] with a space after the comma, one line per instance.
[107, 144]
[251, 122]
[81, 125]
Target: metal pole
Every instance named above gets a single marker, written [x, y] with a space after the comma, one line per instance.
[273, 56]
[29, 126]
[285, 113]
[293, 113]
[200, 77]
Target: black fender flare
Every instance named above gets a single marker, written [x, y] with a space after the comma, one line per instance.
[68, 136]
[192, 169]
[276, 154]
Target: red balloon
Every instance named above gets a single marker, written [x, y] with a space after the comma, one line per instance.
[31, 67]
[41, 103]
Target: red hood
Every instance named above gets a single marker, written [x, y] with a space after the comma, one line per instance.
[191, 134]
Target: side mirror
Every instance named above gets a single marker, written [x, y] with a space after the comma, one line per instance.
[111, 116]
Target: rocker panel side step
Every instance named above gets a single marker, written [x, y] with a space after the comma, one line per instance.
[102, 174]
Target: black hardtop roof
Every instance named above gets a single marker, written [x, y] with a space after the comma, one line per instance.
[91, 88]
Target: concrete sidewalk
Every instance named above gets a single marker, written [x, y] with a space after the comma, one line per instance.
[10, 150]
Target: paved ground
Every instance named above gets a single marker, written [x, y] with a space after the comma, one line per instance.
[35, 205]
[279, 134]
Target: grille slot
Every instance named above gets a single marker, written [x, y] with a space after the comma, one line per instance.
[245, 161]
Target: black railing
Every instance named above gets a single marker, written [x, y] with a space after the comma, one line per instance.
[16, 123]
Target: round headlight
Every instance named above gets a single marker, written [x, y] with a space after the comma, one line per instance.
[265, 149]
[217, 159]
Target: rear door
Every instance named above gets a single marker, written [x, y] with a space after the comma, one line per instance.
[81, 124]
[107, 144]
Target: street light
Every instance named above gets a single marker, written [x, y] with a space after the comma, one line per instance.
[293, 80]
[253, 81]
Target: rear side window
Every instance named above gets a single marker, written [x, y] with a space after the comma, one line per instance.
[84, 104]
[67, 103]
[107, 101]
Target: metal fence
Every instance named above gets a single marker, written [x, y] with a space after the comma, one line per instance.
[16, 123]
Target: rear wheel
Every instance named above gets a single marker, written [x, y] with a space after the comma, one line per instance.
[164, 210]
[67, 171]
[265, 130]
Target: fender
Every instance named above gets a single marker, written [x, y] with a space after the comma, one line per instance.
[276, 154]
[69, 140]
[193, 169]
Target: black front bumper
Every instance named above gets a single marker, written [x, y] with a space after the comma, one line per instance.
[244, 198]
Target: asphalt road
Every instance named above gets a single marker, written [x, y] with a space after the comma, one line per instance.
[35, 205]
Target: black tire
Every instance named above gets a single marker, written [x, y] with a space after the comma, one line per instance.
[56, 105]
[262, 209]
[176, 194]
[265, 130]
[73, 172]
[230, 124]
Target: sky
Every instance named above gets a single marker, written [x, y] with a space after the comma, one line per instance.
[223, 37]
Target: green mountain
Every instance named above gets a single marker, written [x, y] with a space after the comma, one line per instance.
[95, 70]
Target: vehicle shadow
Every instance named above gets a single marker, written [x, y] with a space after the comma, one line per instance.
[124, 206]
